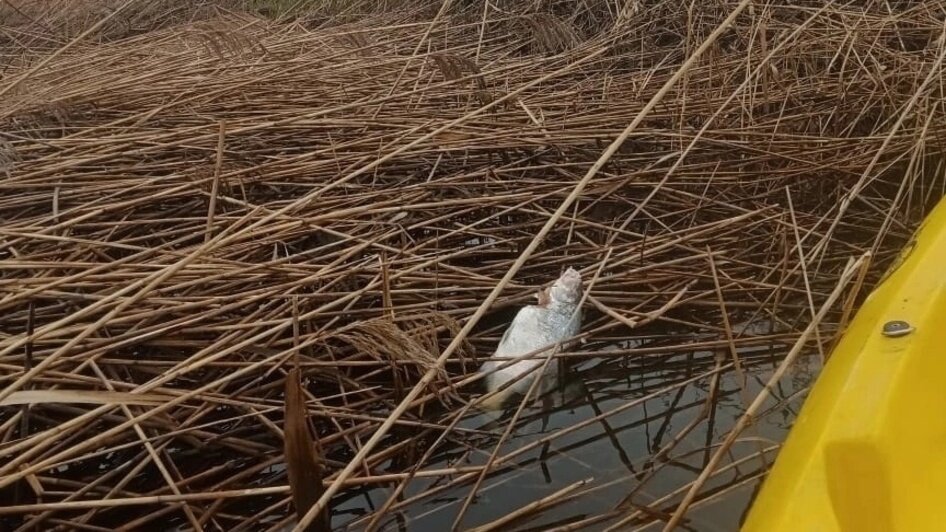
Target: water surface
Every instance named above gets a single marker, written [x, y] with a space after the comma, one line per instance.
[644, 404]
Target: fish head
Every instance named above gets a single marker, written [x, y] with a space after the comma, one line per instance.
[567, 288]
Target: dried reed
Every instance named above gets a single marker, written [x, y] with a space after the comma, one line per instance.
[199, 201]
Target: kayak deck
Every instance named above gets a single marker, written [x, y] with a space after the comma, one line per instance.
[868, 450]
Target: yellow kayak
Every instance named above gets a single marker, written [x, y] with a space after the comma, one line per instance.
[868, 450]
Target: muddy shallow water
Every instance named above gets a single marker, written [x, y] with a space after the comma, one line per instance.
[642, 405]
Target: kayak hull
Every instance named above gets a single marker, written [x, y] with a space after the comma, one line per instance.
[868, 450]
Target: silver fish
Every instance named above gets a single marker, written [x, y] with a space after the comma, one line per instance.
[556, 318]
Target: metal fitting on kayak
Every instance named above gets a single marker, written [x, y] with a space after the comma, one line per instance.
[897, 328]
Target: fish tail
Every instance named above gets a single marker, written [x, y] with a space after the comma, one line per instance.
[495, 401]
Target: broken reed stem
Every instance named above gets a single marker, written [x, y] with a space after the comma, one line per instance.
[532, 507]
[724, 314]
[848, 307]
[215, 187]
[804, 270]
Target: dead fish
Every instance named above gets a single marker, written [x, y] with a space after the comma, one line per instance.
[556, 318]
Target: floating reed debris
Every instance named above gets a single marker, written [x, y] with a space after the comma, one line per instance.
[196, 202]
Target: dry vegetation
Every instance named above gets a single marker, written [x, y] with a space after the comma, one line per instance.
[197, 200]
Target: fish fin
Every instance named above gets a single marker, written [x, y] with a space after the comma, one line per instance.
[505, 337]
[495, 402]
[545, 299]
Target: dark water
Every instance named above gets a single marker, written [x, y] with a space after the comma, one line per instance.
[616, 453]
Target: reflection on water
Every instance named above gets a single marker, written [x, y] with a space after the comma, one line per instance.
[624, 411]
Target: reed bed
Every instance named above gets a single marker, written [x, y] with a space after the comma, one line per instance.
[197, 216]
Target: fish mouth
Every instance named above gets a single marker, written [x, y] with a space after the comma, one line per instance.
[570, 280]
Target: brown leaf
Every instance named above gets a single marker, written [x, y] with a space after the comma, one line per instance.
[302, 465]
